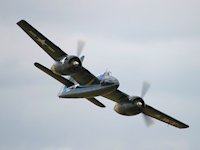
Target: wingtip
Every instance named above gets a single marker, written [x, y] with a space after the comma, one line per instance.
[103, 106]
[36, 64]
[185, 126]
[21, 21]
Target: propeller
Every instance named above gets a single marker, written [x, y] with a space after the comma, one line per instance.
[145, 88]
[80, 46]
[148, 111]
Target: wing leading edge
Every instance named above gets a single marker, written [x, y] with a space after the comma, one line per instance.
[50, 48]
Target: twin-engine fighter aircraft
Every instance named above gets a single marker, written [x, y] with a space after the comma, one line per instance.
[81, 83]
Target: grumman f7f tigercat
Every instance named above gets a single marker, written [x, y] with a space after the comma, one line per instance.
[81, 83]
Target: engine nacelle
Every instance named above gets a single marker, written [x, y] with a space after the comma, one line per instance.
[133, 107]
[67, 66]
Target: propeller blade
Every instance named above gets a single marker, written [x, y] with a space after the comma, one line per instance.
[80, 46]
[82, 58]
[148, 121]
[145, 88]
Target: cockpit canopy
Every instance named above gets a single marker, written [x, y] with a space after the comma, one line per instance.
[106, 78]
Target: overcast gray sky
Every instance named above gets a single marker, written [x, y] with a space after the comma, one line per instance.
[157, 41]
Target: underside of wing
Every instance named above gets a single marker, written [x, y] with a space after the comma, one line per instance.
[152, 112]
[54, 51]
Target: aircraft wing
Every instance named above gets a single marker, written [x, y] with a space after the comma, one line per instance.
[117, 96]
[54, 51]
[152, 112]
[83, 77]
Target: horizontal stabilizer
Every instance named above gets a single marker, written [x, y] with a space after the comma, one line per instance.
[152, 112]
[96, 102]
[55, 76]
